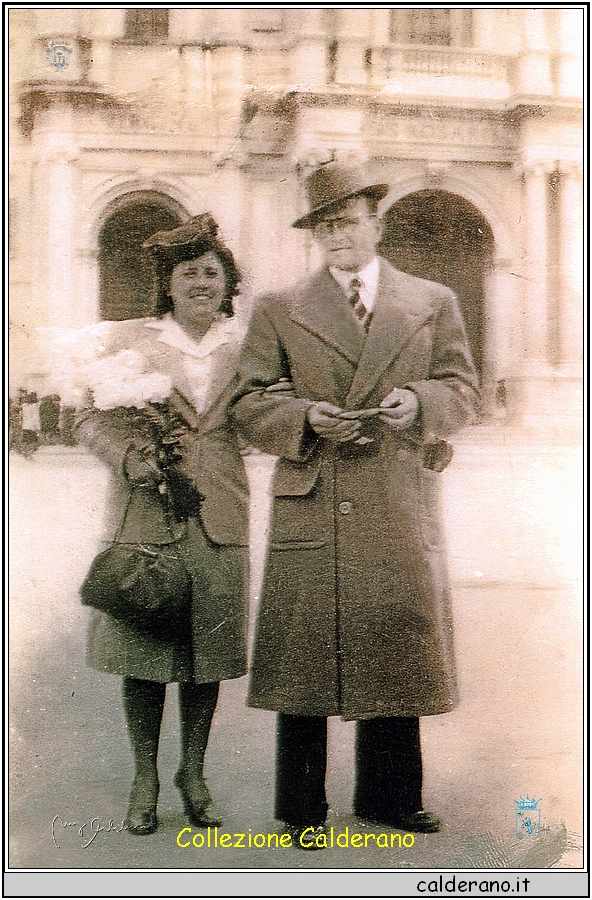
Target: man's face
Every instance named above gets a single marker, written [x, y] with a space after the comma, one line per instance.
[348, 235]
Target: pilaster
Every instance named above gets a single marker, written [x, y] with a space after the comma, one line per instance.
[571, 263]
[534, 64]
[353, 40]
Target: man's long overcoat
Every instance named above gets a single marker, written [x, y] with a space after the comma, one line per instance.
[355, 614]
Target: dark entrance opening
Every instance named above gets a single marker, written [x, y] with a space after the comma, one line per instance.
[442, 237]
[125, 273]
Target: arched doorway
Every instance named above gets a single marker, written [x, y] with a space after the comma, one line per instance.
[438, 235]
[125, 274]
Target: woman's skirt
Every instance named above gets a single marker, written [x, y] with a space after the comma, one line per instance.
[217, 648]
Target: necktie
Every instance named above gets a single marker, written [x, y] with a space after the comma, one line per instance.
[357, 304]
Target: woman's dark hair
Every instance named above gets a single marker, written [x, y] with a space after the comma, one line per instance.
[190, 241]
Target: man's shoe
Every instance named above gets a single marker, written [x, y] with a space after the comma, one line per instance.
[420, 822]
[304, 837]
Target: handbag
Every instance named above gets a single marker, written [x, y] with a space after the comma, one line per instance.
[141, 578]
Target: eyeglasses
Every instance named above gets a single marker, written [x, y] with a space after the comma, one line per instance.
[344, 224]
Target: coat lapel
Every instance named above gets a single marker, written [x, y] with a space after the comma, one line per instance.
[224, 367]
[399, 311]
[170, 361]
[322, 308]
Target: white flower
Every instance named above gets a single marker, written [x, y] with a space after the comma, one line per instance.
[122, 380]
[64, 355]
[77, 363]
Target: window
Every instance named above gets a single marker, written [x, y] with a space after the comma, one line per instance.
[438, 27]
[146, 26]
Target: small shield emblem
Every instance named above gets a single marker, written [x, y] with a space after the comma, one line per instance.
[59, 55]
[528, 817]
[528, 822]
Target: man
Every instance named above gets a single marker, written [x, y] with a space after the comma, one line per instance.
[353, 378]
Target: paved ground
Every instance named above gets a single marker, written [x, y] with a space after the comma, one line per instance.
[513, 522]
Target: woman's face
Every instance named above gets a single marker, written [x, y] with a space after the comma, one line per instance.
[197, 289]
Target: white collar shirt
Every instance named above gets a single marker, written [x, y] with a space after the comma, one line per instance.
[368, 278]
[199, 357]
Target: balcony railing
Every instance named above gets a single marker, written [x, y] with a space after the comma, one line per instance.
[408, 67]
[450, 61]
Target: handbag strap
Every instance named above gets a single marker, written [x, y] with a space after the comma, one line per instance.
[119, 531]
[145, 520]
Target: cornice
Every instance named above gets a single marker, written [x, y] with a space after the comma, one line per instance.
[38, 96]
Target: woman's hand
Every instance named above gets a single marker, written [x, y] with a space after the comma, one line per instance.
[400, 408]
[141, 466]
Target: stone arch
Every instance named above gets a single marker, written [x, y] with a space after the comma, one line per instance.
[440, 236]
[490, 304]
[446, 180]
[124, 272]
[104, 201]
[100, 202]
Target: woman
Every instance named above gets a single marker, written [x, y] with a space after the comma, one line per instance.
[194, 343]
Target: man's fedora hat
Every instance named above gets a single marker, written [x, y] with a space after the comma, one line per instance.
[331, 185]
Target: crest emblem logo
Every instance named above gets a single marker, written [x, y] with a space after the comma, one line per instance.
[528, 817]
[59, 55]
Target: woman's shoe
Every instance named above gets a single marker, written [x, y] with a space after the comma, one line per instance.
[196, 806]
[141, 813]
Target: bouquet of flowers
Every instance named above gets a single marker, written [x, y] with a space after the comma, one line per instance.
[83, 369]
[163, 436]
[124, 383]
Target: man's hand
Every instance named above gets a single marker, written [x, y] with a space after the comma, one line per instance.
[323, 418]
[141, 466]
[400, 408]
[283, 386]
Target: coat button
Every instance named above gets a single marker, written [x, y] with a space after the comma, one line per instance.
[345, 508]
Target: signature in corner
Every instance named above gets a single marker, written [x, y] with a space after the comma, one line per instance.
[87, 831]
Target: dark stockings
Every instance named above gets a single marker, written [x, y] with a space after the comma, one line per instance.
[197, 703]
[143, 703]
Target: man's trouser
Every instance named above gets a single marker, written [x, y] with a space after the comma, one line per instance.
[388, 769]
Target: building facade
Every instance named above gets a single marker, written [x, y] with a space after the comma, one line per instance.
[125, 121]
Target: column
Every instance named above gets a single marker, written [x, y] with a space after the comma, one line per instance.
[228, 86]
[380, 39]
[484, 28]
[186, 25]
[502, 326]
[571, 256]
[103, 26]
[308, 62]
[535, 221]
[56, 286]
[534, 66]
[196, 78]
[228, 206]
[570, 63]
[62, 281]
[353, 40]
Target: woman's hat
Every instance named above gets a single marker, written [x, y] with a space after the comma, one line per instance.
[333, 184]
[188, 241]
[193, 234]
